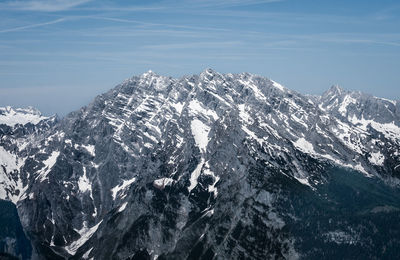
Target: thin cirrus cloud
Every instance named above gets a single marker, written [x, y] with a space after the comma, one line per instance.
[222, 3]
[30, 26]
[151, 24]
[176, 5]
[42, 5]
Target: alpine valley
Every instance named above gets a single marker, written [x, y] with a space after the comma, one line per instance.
[209, 166]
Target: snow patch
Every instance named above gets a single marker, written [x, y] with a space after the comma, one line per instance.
[85, 233]
[278, 86]
[195, 175]
[377, 158]
[90, 148]
[118, 188]
[200, 133]
[9, 160]
[209, 213]
[196, 108]
[211, 187]
[161, 183]
[84, 183]
[13, 116]
[86, 255]
[9, 180]
[389, 130]
[345, 132]
[258, 94]
[252, 135]
[346, 101]
[304, 146]
[48, 164]
[303, 181]
[388, 100]
[298, 120]
[123, 207]
[178, 107]
[244, 115]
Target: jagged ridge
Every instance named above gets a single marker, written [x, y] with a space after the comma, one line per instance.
[155, 155]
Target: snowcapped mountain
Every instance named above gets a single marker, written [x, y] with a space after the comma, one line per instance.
[18, 127]
[207, 166]
[11, 117]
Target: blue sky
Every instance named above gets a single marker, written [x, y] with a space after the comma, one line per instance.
[57, 55]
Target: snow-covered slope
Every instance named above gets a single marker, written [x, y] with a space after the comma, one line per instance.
[160, 166]
[12, 116]
[18, 129]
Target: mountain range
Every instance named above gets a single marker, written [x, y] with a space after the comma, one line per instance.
[208, 166]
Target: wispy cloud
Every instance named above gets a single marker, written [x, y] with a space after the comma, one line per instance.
[176, 5]
[221, 3]
[20, 28]
[42, 5]
[349, 38]
[123, 9]
[150, 24]
[193, 45]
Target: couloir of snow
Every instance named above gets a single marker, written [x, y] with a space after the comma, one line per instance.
[195, 175]
[122, 207]
[84, 183]
[85, 234]
[48, 165]
[121, 187]
[200, 133]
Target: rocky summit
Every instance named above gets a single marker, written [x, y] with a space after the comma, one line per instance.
[209, 166]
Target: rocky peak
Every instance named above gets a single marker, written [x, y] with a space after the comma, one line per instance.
[335, 91]
[195, 167]
[149, 74]
[358, 107]
[20, 116]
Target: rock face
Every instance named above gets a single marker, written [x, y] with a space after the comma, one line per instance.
[12, 238]
[209, 166]
[25, 127]
[18, 129]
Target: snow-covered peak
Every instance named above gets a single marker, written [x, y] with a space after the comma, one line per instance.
[209, 71]
[194, 140]
[149, 73]
[355, 104]
[278, 86]
[334, 91]
[208, 74]
[12, 116]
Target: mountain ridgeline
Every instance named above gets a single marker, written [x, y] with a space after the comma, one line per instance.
[209, 166]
